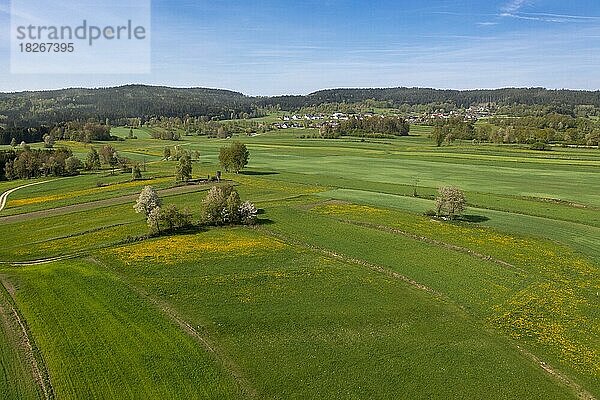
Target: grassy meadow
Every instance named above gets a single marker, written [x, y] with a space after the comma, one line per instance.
[344, 290]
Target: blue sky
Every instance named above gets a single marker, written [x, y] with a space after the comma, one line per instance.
[268, 47]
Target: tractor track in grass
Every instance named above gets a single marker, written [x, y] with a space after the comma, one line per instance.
[32, 354]
[226, 361]
[580, 391]
[577, 389]
[4, 196]
[42, 261]
[434, 242]
[350, 260]
[94, 204]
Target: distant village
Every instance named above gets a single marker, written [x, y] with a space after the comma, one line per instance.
[302, 121]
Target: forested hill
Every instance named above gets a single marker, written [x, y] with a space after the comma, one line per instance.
[31, 109]
[462, 98]
[49, 107]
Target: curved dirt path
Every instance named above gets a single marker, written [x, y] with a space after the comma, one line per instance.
[96, 204]
[4, 196]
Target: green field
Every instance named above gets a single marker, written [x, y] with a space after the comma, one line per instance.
[344, 290]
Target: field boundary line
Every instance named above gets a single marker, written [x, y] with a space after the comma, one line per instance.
[228, 363]
[481, 206]
[578, 389]
[351, 260]
[435, 242]
[552, 372]
[32, 354]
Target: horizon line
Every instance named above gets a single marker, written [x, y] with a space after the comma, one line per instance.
[297, 94]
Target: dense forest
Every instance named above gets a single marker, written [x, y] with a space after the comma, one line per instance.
[30, 109]
[559, 100]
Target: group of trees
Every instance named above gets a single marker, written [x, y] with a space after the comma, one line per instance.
[137, 104]
[234, 158]
[169, 218]
[26, 163]
[118, 104]
[447, 130]
[109, 157]
[546, 129]
[552, 128]
[173, 128]
[221, 206]
[15, 135]
[85, 132]
[366, 126]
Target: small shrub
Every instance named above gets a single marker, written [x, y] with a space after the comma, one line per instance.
[540, 146]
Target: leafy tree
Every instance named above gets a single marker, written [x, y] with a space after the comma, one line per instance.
[450, 202]
[109, 156]
[438, 135]
[49, 140]
[73, 165]
[167, 153]
[92, 162]
[232, 205]
[153, 220]
[234, 158]
[248, 213]
[147, 201]
[124, 164]
[593, 138]
[213, 205]
[183, 172]
[174, 218]
[136, 172]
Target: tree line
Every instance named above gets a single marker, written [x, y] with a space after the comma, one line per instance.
[366, 126]
[27, 163]
[551, 128]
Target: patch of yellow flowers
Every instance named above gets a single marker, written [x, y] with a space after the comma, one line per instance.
[85, 192]
[174, 249]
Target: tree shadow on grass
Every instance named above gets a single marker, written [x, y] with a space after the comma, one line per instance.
[258, 173]
[264, 221]
[474, 219]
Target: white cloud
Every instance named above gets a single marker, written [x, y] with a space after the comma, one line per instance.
[514, 5]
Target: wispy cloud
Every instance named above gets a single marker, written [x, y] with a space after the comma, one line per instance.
[487, 23]
[556, 18]
[514, 5]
